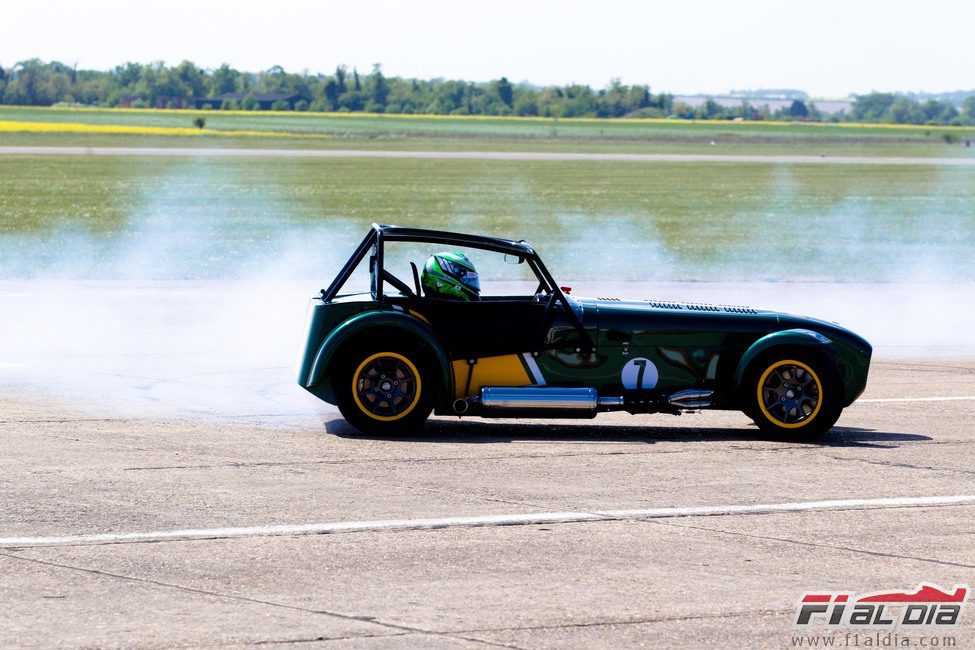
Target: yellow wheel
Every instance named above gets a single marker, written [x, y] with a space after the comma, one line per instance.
[792, 393]
[389, 391]
[386, 386]
[789, 393]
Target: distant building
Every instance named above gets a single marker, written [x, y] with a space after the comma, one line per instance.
[264, 100]
[163, 101]
[826, 107]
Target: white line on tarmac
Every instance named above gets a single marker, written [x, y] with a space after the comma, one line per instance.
[520, 519]
[877, 400]
[485, 155]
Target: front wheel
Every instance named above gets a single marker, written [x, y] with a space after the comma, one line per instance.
[385, 392]
[792, 394]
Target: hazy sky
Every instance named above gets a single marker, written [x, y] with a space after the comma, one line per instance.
[828, 48]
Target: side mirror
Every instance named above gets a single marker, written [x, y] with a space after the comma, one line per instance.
[513, 259]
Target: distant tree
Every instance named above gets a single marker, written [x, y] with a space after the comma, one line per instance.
[249, 103]
[798, 109]
[637, 98]
[904, 110]
[746, 111]
[191, 78]
[525, 105]
[280, 105]
[709, 109]
[380, 89]
[353, 101]
[968, 109]
[35, 82]
[505, 91]
[128, 74]
[224, 80]
[937, 112]
[872, 107]
[332, 92]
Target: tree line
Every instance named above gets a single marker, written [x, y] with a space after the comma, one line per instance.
[38, 83]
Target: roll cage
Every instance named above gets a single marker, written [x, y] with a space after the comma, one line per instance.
[379, 234]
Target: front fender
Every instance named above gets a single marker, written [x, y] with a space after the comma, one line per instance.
[794, 337]
[319, 380]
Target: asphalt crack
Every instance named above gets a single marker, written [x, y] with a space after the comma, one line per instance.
[835, 547]
[889, 463]
[630, 621]
[257, 601]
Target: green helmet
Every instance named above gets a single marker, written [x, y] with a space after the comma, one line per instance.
[451, 276]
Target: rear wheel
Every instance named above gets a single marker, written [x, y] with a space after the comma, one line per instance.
[792, 394]
[387, 391]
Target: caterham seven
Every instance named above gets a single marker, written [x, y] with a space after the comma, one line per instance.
[391, 356]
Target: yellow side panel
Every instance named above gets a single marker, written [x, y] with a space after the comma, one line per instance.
[506, 370]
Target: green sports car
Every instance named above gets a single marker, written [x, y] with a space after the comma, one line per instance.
[390, 357]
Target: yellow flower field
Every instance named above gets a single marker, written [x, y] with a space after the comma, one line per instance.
[11, 126]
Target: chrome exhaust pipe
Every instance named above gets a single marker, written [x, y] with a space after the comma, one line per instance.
[499, 401]
[461, 406]
[535, 397]
[691, 399]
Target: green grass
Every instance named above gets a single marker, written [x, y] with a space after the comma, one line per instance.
[365, 131]
[188, 217]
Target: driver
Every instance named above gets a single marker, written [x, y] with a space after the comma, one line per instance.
[451, 276]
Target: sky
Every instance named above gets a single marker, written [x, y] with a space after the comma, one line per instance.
[828, 48]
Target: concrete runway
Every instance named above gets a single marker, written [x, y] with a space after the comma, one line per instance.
[730, 574]
[487, 155]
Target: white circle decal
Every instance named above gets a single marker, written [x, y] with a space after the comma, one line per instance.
[640, 374]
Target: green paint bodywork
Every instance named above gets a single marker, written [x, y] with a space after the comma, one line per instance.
[691, 346]
[332, 325]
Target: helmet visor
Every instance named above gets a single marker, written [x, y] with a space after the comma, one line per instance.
[465, 276]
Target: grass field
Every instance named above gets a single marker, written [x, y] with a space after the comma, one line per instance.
[182, 217]
[217, 217]
[482, 133]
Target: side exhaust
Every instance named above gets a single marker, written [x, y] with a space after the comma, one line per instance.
[500, 401]
[554, 401]
[691, 399]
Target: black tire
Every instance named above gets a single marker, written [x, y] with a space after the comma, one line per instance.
[370, 402]
[802, 410]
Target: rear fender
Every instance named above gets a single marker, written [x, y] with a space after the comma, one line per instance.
[792, 338]
[378, 323]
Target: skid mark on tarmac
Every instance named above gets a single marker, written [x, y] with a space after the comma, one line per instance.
[521, 519]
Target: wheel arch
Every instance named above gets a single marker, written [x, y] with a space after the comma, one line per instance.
[370, 324]
[801, 338]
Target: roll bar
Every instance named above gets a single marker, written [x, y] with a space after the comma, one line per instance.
[379, 234]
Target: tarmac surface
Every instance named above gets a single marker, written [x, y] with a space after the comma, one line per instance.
[515, 575]
[486, 155]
